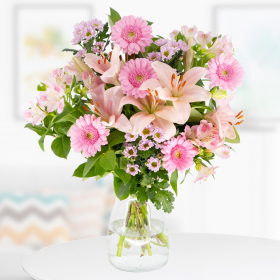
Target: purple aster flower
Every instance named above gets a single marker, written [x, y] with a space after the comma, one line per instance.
[173, 44]
[154, 56]
[182, 45]
[98, 48]
[96, 24]
[132, 169]
[147, 131]
[166, 52]
[130, 137]
[76, 40]
[154, 164]
[158, 146]
[81, 53]
[130, 151]
[88, 33]
[145, 145]
[158, 135]
[161, 42]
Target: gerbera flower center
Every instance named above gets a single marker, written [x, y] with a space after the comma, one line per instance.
[90, 135]
[225, 72]
[138, 76]
[178, 153]
[131, 33]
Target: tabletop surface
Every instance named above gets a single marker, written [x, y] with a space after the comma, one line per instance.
[193, 256]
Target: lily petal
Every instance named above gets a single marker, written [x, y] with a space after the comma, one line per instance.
[151, 84]
[193, 93]
[92, 60]
[165, 73]
[167, 126]
[168, 113]
[133, 101]
[183, 109]
[192, 76]
[166, 94]
[111, 76]
[123, 124]
[140, 120]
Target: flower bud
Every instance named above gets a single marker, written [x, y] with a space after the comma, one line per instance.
[219, 94]
[210, 55]
[198, 166]
[208, 154]
[204, 51]
[132, 158]
[200, 151]
[149, 186]
[80, 65]
[159, 155]
[189, 55]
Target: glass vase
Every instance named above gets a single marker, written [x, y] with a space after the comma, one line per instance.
[137, 236]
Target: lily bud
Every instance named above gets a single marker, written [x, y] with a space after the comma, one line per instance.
[200, 151]
[80, 65]
[189, 55]
[198, 166]
[204, 51]
[219, 94]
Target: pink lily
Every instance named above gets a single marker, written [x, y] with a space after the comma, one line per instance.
[109, 69]
[91, 81]
[106, 104]
[152, 110]
[182, 92]
[222, 117]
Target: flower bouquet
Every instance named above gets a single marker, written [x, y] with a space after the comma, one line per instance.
[143, 108]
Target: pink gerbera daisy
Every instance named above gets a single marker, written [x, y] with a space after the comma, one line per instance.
[87, 135]
[154, 164]
[225, 72]
[132, 169]
[133, 74]
[132, 34]
[178, 153]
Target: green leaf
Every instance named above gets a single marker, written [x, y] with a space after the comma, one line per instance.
[186, 173]
[195, 116]
[142, 195]
[68, 118]
[70, 50]
[92, 160]
[73, 82]
[99, 170]
[39, 129]
[79, 171]
[149, 22]
[123, 162]
[203, 107]
[212, 104]
[113, 17]
[41, 87]
[121, 189]
[67, 109]
[41, 142]
[115, 138]
[107, 161]
[125, 177]
[236, 140]
[173, 181]
[61, 146]
[62, 127]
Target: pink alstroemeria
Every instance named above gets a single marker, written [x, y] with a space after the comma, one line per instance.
[34, 114]
[71, 70]
[204, 173]
[58, 77]
[222, 117]
[109, 69]
[204, 39]
[91, 81]
[152, 111]
[180, 92]
[106, 104]
[222, 151]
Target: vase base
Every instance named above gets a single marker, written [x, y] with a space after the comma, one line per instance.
[133, 263]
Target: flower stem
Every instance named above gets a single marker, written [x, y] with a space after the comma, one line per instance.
[164, 239]
[120, 246]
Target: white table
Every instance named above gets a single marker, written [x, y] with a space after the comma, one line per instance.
[192, 257]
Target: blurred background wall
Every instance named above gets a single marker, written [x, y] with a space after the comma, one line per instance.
[41, 204]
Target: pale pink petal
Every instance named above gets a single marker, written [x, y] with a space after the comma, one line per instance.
[194, 93]
[140, 120]
[167, 126]
[168, 113]
[97, 63]
[133, 101]
[192, 76]
[111, 76]
[151, 84]
[123, 124]
[184, 110]
[164, 73]
[166, 94]
[222, 152]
